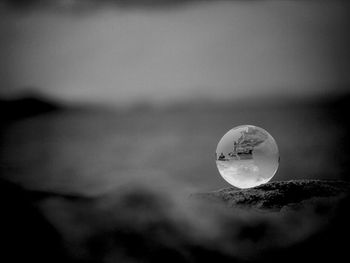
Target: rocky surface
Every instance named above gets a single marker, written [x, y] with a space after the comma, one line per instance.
[310, 218]
[276, 222]
[279, 195]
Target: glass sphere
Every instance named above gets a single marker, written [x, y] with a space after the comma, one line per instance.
[247, 156]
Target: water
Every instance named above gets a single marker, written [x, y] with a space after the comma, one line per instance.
[91, 150]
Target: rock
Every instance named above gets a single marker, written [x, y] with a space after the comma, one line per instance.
[316, 210]
[140, 224]
[278, 195]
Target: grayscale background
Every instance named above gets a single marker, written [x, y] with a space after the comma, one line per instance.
[103, 97]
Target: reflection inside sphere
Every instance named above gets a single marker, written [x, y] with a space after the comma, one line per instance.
[247, 156]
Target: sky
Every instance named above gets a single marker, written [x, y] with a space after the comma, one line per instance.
[126, 53]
